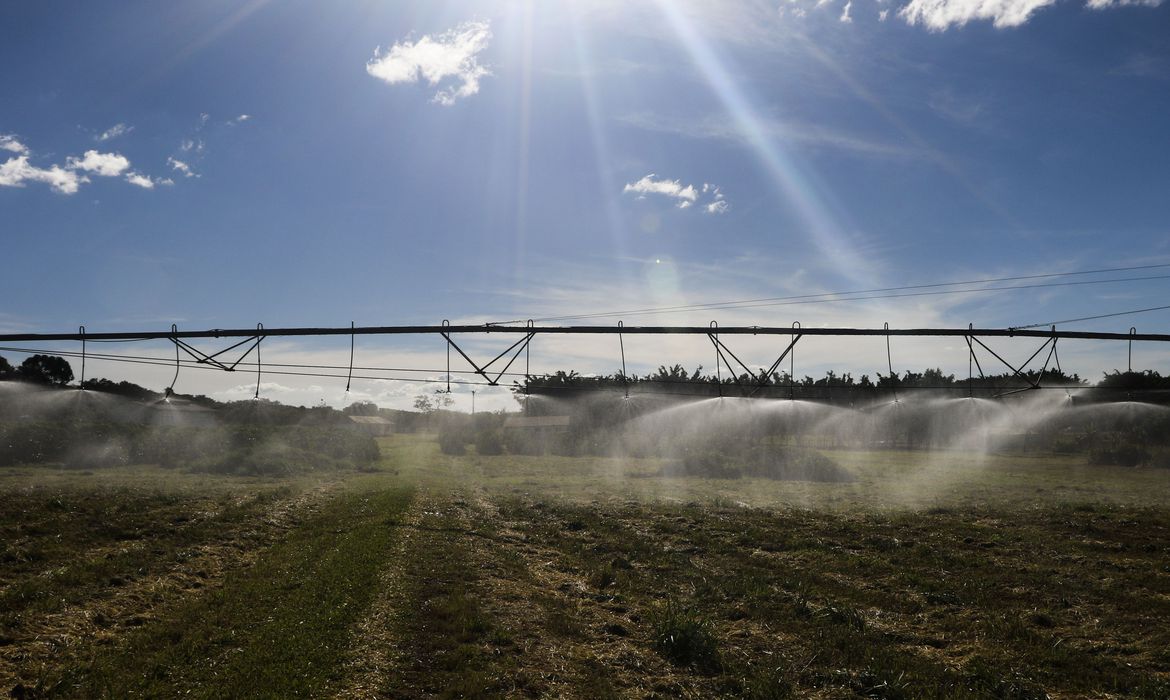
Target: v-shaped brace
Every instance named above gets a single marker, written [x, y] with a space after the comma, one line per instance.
[760, 381]
[1049, 343]
[519, 346]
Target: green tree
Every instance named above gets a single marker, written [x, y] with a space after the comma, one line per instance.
[6, 370]
[46, 369]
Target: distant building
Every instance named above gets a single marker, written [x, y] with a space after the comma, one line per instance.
[374, 425]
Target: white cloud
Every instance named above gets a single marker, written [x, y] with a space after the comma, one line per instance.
[17, 171]
[240, 119]
[1106, 4]
[8, 142]
[882, 15]
[68, 179]
[104, 164]
[182, 167]
[686, 194]
[188, 145]
[452, 54]
[939, 15]
[114, 132]
[845, 13]
[146, 181]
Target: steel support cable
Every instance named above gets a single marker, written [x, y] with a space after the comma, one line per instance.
[877, 293]
[246, 365]
[163, 362]
[1092, 318]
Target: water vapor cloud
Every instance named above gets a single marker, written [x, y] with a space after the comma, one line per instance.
[114, 132]
[454, 54]
[940, 15]
[685, 195]
[18, 171]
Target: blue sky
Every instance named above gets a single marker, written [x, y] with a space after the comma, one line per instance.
[219, 164]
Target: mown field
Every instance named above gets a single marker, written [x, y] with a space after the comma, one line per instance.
[948, 576]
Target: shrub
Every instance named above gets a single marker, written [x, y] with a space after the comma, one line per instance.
[489, 442]
[453, 442]
[685, 639]
[1119, 455]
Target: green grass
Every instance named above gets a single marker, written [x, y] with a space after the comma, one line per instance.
[278, 628]
[948, 575]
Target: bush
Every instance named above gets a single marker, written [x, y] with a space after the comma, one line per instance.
[1119, 455]
[685, 639]
[453, 442]
[489, 442]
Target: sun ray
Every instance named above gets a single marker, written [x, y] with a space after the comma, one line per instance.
[797, 186]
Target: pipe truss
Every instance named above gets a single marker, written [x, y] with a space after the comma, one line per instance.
[251, 338]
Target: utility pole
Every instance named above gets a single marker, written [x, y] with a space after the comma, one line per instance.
[473, 402]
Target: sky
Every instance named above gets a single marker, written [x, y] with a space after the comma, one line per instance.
[219, 164]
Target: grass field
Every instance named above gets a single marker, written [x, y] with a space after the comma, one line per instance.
[944, 575]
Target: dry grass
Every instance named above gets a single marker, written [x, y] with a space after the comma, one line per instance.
[948, 576]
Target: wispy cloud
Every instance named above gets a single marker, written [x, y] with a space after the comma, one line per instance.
[452, 54]
[239, 120]
[182, 167]
[719, 205]
[113, 132]
[10, 143]
[146, 182]
[1106, 4]
[940, 15]
[685, 194]
[845, 16]
[796, 133]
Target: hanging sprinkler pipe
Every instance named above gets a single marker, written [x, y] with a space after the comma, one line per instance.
[171, 389]
[970, 369]
[1132, 333]
[890, 363]
[349, 377]
[792, 365]
[81, 330]
[259, 337]
[446, 325]
[714, 326]
[528, 354]
[622, 345]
